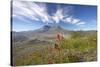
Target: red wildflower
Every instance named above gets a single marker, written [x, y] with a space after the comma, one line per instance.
[58, 37]
[50, 61]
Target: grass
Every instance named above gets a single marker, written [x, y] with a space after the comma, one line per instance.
[77, 48]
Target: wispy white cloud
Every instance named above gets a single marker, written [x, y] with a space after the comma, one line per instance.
[38, 12]
[30, 10]
[75, 20]
[68, 19]
[81, 23]
[58, 16]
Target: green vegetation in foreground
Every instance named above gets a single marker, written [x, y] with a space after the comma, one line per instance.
[77, 48]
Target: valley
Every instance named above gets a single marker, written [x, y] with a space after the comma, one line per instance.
[50, 45]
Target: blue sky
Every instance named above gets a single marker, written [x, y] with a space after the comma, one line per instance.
[28, 15]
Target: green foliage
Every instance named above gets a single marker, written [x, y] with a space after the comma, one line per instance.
[78, 48]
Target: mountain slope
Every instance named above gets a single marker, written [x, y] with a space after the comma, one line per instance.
[44, 33]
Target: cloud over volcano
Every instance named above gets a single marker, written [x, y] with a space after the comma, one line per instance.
[24, 10]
